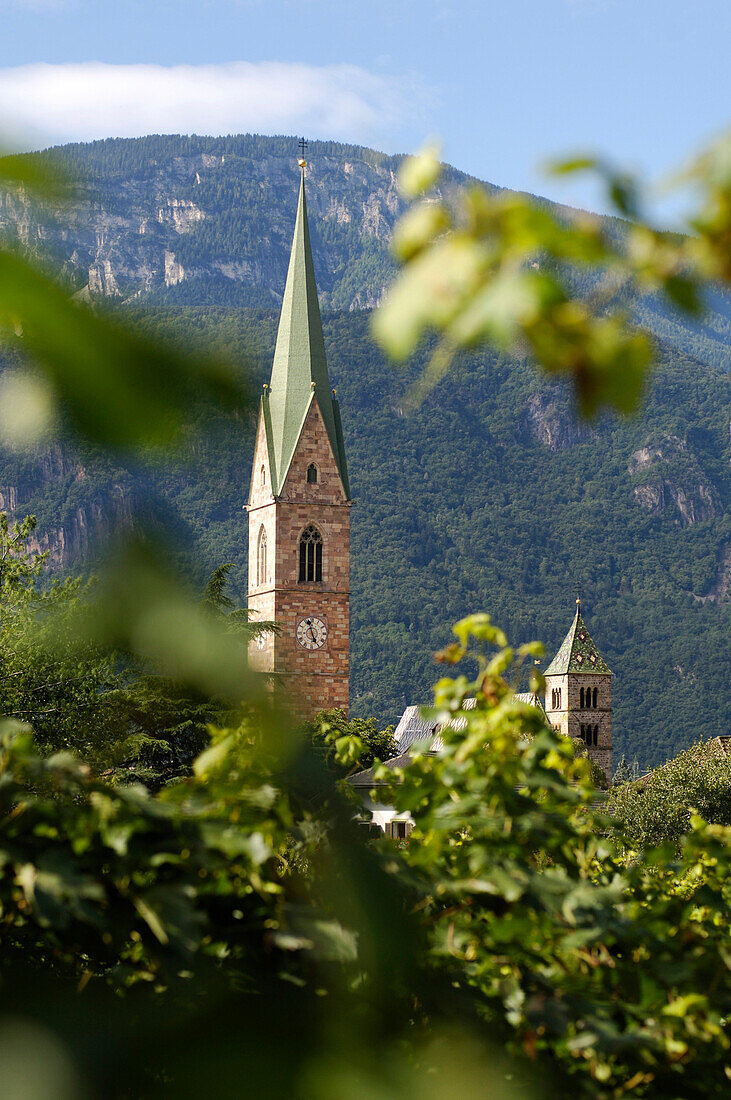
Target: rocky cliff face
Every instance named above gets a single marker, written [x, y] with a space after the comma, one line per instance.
[552, 422]
[75, 509]
[203, 224]
[668, 480]
[208, 221]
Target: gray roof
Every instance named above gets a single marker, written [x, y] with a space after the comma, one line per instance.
[412, 727]
[533, 699]
[365, 778]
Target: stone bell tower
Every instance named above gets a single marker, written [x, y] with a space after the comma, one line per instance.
[579, 693]
[299, 503]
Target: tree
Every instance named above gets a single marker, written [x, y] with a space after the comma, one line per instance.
[46, 679]
[348, 744]
[157, 725]
[503, 269]
[658, 808]
[530, 906]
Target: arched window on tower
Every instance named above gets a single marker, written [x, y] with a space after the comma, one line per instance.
[263, 475]
[559, 698]
[595, 699]
[310, 555]
[261, 556]
[581, 698]
[312, 474]
[596, 734]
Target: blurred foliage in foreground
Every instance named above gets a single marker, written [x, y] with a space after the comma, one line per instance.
[497, 269]
[205, 914]
[237, 927]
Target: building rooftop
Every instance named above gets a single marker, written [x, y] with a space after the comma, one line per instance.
[413, 727]
[577, 652]
[299, 371]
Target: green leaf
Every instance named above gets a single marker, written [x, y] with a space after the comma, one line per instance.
[113, 387]
[564, 167]
[419, 173]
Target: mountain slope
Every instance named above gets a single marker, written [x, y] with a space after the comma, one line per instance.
[208, 221]
[491, 496]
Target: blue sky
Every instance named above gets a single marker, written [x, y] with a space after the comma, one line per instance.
[503, 85]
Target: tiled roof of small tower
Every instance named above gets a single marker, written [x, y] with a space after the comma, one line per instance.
[299, 371]
[577, 652]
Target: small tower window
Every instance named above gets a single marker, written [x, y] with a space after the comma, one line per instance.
[558, 698]
[261, 556]
[312, 474]
[581, 698]
[310, 555]
[595, 699]
[596, 734]
[263, 475]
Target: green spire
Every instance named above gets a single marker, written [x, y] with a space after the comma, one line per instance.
[299, 371]
[577, 652]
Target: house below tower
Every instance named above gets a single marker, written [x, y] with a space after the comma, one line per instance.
[577, 704]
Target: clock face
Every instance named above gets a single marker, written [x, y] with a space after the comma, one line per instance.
[311, 633]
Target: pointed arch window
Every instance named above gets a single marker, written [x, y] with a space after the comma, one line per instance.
[310, 555]
[312, 475]
[261, 557]
[263, 475]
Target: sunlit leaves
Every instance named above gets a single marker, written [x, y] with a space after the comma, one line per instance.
[711, 173]
[418, 174]
[610, 966]
[27, 409]
[493, 269]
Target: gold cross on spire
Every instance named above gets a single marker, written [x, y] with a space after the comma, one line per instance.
[303, 149]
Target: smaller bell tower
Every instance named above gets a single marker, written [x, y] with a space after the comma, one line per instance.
[579, 693]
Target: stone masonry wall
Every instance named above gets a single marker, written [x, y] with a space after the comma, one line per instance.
[317, 679]
[570, 716]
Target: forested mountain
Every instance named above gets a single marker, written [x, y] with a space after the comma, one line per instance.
[490, 497]
[208, 221]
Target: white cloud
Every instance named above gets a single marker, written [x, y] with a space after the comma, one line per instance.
[42, 103]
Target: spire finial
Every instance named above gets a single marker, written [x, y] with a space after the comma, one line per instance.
[303, 149]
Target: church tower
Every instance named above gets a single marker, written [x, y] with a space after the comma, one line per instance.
[579, 693]
[299, 503]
